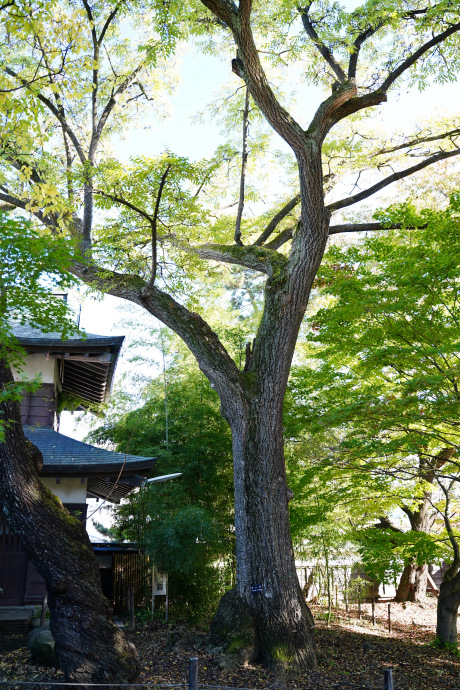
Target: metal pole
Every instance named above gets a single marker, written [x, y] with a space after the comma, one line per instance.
[388, 679]
[389, 618]
[373, 611]
[193, 673]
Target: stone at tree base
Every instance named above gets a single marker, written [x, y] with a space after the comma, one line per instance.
[233, 631]
[40, 642]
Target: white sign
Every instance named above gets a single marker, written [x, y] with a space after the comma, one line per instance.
[160, 584]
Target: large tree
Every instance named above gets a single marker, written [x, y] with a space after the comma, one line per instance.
[71, 73]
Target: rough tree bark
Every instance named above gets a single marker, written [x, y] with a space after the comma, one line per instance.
[447, 610]
[449, 591]
[413, 581]
[90, 647]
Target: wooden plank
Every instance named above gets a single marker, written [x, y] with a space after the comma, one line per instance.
[431, 585]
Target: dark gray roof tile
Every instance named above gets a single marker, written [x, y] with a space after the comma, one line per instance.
[65, 456]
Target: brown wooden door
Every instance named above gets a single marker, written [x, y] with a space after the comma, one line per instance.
[13, 567]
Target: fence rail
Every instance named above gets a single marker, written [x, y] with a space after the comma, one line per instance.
[192, 684]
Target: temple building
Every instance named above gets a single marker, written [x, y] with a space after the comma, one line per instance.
[75, 374]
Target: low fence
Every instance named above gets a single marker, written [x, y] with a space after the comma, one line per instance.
[192, 684]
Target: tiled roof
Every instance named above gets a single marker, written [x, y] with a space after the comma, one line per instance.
[28, 335]
[65, 456]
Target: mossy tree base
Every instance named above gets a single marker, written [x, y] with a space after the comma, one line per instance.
[234, 629]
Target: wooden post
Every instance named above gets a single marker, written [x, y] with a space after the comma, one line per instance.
[167, 599]
[153, 589]
[345, 590]
[44, 610]
[359, 606]
[373, 611]
[193, 673]
[389, 618]
[131, 606]
[388, 679]
[336, 598]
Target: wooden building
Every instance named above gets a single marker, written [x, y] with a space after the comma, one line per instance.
[77, 373]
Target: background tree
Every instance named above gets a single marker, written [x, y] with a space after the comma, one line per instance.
[384, 364]
[185, 524]
[89, 646]
[360, 56]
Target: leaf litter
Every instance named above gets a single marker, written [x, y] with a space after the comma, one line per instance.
[351, 653]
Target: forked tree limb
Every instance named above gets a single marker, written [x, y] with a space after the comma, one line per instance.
[276, 220]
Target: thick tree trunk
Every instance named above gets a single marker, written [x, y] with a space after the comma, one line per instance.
[252, 402]
[265, 559]
[412, 585]
[447, 611]
[89, 646]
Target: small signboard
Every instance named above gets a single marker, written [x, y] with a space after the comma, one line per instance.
[256, 589]
[160, 584]
[160, 588]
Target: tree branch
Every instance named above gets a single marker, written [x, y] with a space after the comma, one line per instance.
[390, 179]
[253, 74]
[327, 114]
[154, 226]
[46, 101]
[284, 236]
[358, 42]
[319, 44]
[109, 107]
[412, 59]
[211, 355]
[385, 523]
[419, 140]
[95, 79]
[370, 227]
[354, 105]
[257, 259]
[225, 10]
[244, 160]
[276, 220]
[20, 203]
[109, 20]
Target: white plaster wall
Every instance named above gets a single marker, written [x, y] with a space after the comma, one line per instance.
[69, 490]
[38, 364]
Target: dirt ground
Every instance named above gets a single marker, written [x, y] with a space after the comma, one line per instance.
[352, 653]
